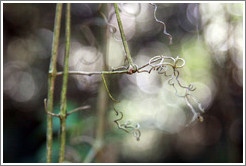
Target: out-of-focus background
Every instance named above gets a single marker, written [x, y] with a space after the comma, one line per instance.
[209, 36]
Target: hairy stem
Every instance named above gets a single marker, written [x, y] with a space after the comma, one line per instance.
[63, 109]
[132, 66]
[51, 80]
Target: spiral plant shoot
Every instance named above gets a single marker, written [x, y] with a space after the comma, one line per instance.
[166, 66]
[163, 65]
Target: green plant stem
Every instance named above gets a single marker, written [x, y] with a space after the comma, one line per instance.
[79, 109]
[101, 115]
[132, 66]
[93, 73]
[97, 149]
[63, 109]
[51, 80]
[102, 103]
[104, 72]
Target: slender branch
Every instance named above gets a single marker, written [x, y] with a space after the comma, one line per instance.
[92, 73]
[51, 81]
[70, 112]
[132, 66]
[102, 102]
[49, 113]
[63, 110]
[105, 72]
[79, 109]
[105, 84]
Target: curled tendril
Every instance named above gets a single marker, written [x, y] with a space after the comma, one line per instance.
[164, 25]
[177, 60]
[174, 61]
[190, 87]
[159, 63]
[128, 126]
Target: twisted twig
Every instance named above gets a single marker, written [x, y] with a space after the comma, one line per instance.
[164, 25]
[127, 126]
[160, 64]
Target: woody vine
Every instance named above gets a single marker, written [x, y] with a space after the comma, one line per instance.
[165, 66]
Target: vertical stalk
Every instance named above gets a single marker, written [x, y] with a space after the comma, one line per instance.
[51, 80]
[63, 109]
[96, 149]
[132, 66]
[101, 117]
[102, 102]
[102, 97]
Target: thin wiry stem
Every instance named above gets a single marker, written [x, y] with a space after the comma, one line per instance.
[49, 113]
[51, 81]
[106, 72]
[102, 101]
[92, 73]
[134, 129]
[63, 110]
[174, 77]
[105, 84]
[70, 112]
[159, 64]
[123, 126]
[79, 109]
[132, 66]
[164, 25]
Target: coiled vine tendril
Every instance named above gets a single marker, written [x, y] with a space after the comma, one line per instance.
[164, 25]
[128, 126]
[159, 63]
